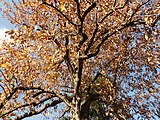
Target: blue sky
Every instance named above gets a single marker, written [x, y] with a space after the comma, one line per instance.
[4, 26]
[3, 22]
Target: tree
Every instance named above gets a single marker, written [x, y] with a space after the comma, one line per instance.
[83, 58]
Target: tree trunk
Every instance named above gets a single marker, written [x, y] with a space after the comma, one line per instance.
[80, 112]
[85, 110]
[75, 109]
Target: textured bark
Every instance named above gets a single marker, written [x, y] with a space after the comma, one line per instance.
[85, 110]
[80, 114]
[80, 109]
[75, 109]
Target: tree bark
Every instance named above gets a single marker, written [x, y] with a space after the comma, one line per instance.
[75, 109]
[80, 111]
[85, 110]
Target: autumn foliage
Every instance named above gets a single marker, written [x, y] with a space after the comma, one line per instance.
[82, 58]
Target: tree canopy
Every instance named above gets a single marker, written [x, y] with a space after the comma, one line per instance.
[85, 59]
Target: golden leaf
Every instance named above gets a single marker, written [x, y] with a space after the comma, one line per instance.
[149, 59]
[4, 65]
[24, 26]
[56, 51]
[62, 7]
[10, 32]
[147, 20]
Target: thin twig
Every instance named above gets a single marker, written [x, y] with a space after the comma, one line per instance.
[52, 6]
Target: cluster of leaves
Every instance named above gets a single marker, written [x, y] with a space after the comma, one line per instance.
[104, 50]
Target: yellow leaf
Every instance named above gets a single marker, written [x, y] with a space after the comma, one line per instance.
[56, 51]
[24, 26]
[62, 1]
[4, 65]
[149, 59]
[62, 8]
[147, 20]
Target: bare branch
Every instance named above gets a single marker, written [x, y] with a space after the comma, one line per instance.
[66, 110]
[123, 26]
[26, 105]
[88, 10]
[137, 8]
[59, 12]
[63, 98]
[3, 89]
[31, 113]
[91, 40]
[78, 9]
[84, 38]
[4, 75]
[8, 97]
[80, 29]
[66, 57]
[80, 67]
[106, 16]
[113, 11]
[115, 2]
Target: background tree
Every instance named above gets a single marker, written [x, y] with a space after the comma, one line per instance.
[83, 58]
